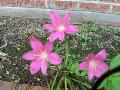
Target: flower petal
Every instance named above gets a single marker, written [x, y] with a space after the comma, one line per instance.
[61, 36]
[71, 29]
[35, 66]
[67, 18]
[43, 66]
[98, 72]
[102, 54]
[31, 55]
[35, 44]
[91, 73]
[103, 66]
[90, 56]
[54, 58]
[48, 46]
[83, 65]
[49, 27]
[56, 19]
[53, 36]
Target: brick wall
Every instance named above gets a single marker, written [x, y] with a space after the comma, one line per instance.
[105, 6]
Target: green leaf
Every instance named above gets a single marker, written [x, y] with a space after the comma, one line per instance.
[94, 28]
[2, 23]
[83, 73]
[111, 83]
[77, 72]
[76, 88]
[74, 69]
[115, 61]
[116, 83]
[39, 29]
[103, 84]
[108, 86]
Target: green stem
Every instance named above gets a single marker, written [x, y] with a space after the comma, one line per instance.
[59, 83]
[47, 81]
[70, 83]
[67, 51]
[86, 85]
[54, 81]
[65, 83]
[81, 82]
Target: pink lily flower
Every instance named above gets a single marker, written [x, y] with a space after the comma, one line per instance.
[59, 27]
[40, 56]
[94, 64]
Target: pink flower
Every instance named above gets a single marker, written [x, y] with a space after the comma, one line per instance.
[40, 56]
[59, 27]
[94, 64]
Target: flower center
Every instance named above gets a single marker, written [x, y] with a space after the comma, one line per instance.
[61, 28]
[92, 63]
[44, 55]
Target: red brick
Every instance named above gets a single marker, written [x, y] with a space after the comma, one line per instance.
[66, 4]
[94, 7]
[8, 2]
[33, 3]
[88, 6]
[116, 8]
[116, 1]
[103, 7]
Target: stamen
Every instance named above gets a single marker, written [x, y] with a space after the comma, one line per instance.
[92, 63]
[61, 28]
[44, 55]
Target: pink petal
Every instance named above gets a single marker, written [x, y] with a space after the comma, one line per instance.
[50, 27]
[35, 44]
[91, 73]
[53, 36]
[61, 36]
[48, 46]
[67, 18]
[35, 66]
[31, 55]
[71, 29]
[102, 54]
[54, 58]
[56, 19]
[98, 72]
[103, 66]
[43, 66]
[90, 56]
[83, 65]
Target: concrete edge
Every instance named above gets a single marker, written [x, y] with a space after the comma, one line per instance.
[78, 15]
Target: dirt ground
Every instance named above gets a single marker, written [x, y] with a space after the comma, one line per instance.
[4, 85]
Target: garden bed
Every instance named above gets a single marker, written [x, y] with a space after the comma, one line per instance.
[15, 32]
